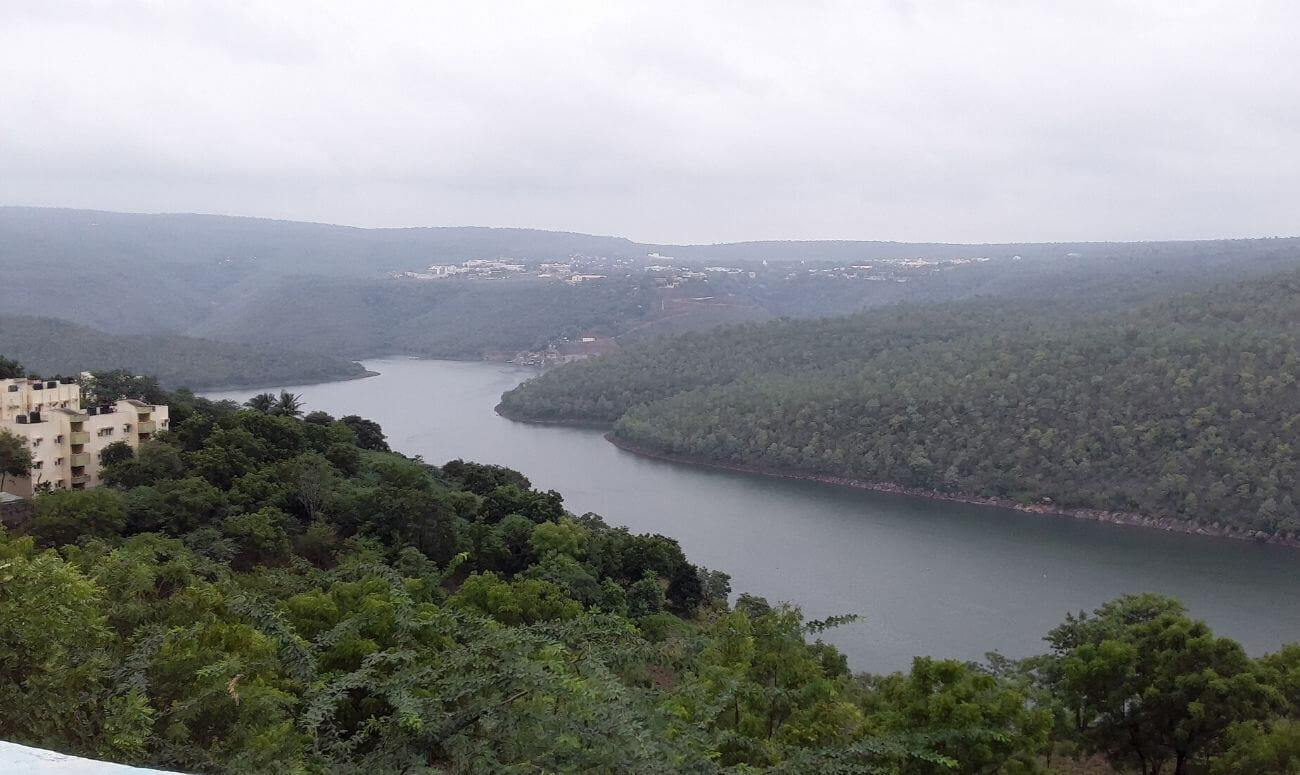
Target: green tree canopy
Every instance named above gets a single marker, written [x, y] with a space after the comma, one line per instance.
[11, 369]
[15, 456]
[1149, 687]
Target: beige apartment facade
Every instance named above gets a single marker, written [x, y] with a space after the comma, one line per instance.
[65, 438]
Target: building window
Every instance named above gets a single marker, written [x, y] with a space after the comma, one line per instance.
[37, 465]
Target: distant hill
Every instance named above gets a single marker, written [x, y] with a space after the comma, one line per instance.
[368, 317]
[324, 288]
[48, 346]
[874, 250]
[360, 318]
[138, 273]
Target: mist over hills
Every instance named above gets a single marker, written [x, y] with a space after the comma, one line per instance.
[47, 346]
[140, 273]
[330, 289]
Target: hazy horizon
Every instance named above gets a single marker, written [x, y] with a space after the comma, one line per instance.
[647, 242]
[900, 121]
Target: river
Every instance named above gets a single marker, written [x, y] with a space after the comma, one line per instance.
[927, 577]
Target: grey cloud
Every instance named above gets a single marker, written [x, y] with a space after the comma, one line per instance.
[671, 121]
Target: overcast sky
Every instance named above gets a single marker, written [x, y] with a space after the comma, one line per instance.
[968, 120]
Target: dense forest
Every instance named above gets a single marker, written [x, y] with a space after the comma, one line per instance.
[1186, 409]
[49, 346]
[434, 320]
[263, 591]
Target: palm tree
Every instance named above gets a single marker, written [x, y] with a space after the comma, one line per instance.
[287, 405]
[262, 402]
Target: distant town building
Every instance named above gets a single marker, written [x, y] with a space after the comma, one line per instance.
[65, 439]
[434, 272]
[489, 264]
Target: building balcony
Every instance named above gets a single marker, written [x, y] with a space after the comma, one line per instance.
[146, 426]
[81, 478]
[79, 459]
[79, 437]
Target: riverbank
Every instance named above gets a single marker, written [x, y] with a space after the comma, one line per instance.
[1128, 519]
[578, 423]
[267, 386]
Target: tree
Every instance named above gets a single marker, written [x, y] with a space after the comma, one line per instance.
[11, 369]
[174, 506]
[262, 402]
[153, 462]
[1148, 686]
[319, 418]
[115, 453]
[51, 635]
[63, 516]
[522, 601]
[369, 434]
[261, 538]
[564, 537]
[106, 387]
[646, 596]
[287, 405]
[1261, 749]
[482, 478]
[15, 456]
[945, 695]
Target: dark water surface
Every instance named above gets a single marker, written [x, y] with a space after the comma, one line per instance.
[927, 577]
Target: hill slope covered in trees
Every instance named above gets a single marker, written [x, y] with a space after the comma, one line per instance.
[262, 593]
[47, 346]
[1187, 409]
[434, 320]
[326, 289]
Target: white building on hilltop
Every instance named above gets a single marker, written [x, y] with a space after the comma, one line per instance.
[65, 439]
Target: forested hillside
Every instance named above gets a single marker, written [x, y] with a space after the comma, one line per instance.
[256, 593]
[161, 273]
[1187, 409]
[326, 289]
[48, 346]
[469, 319]
[435, 320]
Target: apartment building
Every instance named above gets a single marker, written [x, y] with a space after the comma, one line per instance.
[65, 438]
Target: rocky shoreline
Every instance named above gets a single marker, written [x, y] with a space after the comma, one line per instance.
[1129, 519]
